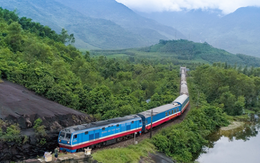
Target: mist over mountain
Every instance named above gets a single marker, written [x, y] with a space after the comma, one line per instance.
[237, 32]
[96, 24]
[123, 16]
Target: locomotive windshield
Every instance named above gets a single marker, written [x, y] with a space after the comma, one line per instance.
[62, 134]
[68, 136]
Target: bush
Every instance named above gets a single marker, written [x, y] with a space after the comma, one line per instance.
[12, 134]
[39, 129]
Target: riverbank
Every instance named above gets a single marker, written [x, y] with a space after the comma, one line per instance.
[239, 139]
[232, 125]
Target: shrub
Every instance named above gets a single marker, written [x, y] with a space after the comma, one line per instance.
[12, 134]
[39, 129]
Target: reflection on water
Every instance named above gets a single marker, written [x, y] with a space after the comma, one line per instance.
[239, 145]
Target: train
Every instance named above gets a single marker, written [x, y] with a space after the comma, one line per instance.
[100, 133]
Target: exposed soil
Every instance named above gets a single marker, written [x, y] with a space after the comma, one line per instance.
[21, 106]
[18, 103]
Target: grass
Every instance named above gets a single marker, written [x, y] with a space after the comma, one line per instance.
[132, 153]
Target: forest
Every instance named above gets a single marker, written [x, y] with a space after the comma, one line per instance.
[47, 63]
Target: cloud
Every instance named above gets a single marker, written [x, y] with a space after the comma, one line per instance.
[227, 6]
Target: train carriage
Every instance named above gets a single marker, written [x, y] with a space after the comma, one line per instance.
[183, 100]
[161, 114]
[184, 89]
[95, 133]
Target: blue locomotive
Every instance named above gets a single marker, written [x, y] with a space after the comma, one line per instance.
[110, 131]
[99, 133]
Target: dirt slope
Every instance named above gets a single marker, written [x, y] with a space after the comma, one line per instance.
[16, 100]
[19, 105]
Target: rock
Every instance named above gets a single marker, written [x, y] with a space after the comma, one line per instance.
[21, 106]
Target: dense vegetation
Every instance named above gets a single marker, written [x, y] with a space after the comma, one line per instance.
[182, 52]
[228, 88]
[107, 88]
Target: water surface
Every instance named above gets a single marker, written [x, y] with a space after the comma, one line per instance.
[241, 145]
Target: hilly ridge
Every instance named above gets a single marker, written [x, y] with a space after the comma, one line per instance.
[56, 16]
[237, 32]
[90, 31]
[123, 16]
[182, 52]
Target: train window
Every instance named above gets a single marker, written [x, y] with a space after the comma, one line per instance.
[140, 121]
[117, 125]
[75, 136]
[172, 111]
[132, 121]
[86, 132]
[103, 128]
[169, 112]
[166, 114]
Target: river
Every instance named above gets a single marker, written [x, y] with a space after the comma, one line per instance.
[240, 145]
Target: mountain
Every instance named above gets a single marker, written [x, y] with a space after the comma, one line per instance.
[191, 23]
[91, 32]
[237, 32]
[181, 52]
[123, 16]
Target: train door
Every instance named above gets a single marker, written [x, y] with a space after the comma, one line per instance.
[117, 128]
[75, 139]
[85, 136]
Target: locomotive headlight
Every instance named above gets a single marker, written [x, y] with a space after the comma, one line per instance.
[68, 142]
[59, 140]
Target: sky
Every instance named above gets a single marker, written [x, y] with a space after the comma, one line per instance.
[226, 6]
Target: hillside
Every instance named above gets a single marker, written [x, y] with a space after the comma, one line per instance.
[125, 17]
[90, 32]
[181, 52]
[236, 32]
